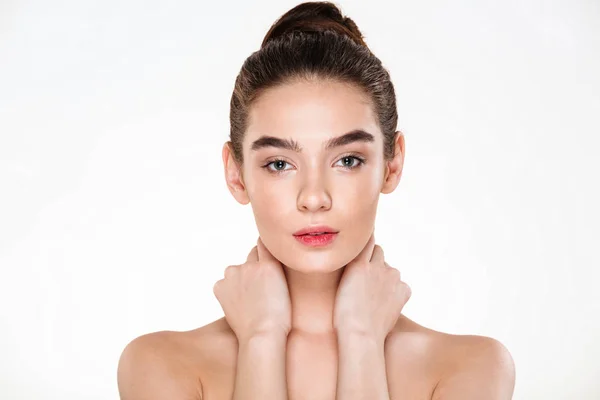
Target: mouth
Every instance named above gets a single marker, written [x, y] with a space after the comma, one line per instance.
[316, 239]
[316, 231]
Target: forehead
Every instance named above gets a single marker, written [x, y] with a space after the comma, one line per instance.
[310, 112]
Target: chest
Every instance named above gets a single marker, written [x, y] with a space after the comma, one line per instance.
[311, 370]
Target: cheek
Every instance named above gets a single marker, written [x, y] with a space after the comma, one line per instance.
[357, 197]
[271, 205]
[359, 208]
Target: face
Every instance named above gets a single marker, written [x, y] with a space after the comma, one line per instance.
[314, 184]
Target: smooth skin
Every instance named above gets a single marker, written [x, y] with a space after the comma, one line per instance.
[306, 323]
[255, 299]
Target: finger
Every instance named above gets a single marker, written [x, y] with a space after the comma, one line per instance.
[253, 255]
[228, 271]
[216, 287]
[377, 256]
[367, 251]
[395, 269]
[263, 253]
[407, 291]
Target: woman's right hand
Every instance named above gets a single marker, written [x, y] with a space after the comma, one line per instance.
[254, 295]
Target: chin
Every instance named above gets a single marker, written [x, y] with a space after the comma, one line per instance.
[313, 262]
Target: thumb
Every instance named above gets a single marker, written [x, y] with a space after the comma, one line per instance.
[263, 253]
[367, 251]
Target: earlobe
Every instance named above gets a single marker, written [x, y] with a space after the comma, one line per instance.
[234, 176]
[394, 166]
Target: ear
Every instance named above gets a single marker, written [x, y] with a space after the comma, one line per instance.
[233, 175]
[394, 166]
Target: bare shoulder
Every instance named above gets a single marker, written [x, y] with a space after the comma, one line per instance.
[454, 366]
[170, 364]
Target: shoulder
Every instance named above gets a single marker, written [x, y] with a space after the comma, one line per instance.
[456, 366]
[476, 367]
[152, 366]
[166, 364]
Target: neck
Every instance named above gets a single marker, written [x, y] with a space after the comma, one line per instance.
[312, 297]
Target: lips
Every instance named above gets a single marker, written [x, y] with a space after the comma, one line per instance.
[317, 229]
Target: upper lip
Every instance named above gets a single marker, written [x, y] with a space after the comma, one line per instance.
[315, 229]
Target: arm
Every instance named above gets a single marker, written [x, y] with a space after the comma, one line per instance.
[361, 368]
[486, 370]
[148, 370]
[260, 372]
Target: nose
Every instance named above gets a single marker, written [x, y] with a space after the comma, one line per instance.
[313, 195]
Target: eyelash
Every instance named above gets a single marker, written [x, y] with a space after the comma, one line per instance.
[361, 160]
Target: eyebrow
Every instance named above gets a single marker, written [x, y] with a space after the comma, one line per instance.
[356, 135]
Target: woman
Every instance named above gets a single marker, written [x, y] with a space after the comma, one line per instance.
[315, 311]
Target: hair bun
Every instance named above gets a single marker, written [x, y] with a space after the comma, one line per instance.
[316, 16]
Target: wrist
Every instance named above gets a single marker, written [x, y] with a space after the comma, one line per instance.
[264, 338]
[354, 335]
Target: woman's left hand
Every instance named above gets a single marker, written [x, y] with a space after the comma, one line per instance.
[370, 295]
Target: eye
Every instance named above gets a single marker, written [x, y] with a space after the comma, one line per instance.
[348, 161]
[279, 166]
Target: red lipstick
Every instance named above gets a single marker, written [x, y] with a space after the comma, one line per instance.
[316, 236]
[315, 229]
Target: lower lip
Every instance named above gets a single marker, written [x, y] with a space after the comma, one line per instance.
[316, 240]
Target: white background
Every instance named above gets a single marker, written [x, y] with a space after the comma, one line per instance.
[115, 219]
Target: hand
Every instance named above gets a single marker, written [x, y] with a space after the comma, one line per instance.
[370, 295]
[254, 295]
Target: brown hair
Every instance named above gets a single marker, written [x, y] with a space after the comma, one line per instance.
[312, 41]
